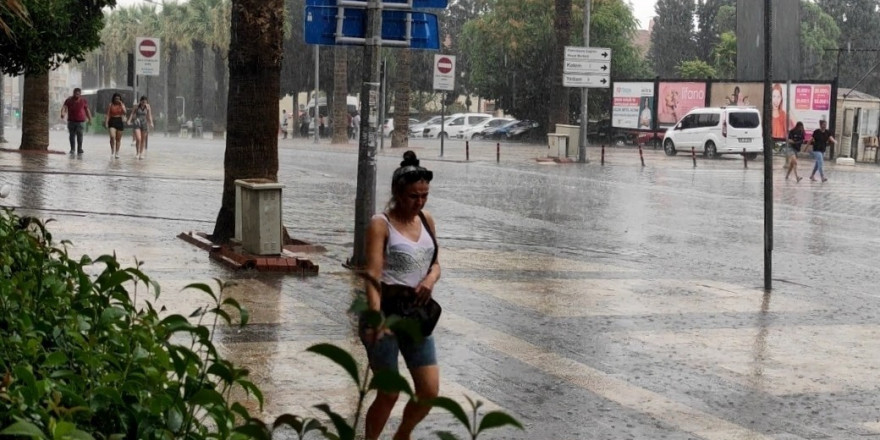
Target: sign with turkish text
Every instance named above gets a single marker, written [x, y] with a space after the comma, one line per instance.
[810, 104]
[586, 67]
[444, 72]
[632, 105]
[147, 56]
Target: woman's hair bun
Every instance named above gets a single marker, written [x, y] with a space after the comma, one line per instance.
[409, 158]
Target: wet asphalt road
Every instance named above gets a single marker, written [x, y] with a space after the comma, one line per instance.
[591, 302]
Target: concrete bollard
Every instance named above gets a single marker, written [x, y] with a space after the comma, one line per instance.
[498, 152]
[745, 159]
[467, 150]
[602, 161]
[694, 156]
[641, 155]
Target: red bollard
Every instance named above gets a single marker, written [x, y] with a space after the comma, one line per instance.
[467, 150]
[694, 156]
[641, 155]
[745, 159]
[603, 155]
[498, 152]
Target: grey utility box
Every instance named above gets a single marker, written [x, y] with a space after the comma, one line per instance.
[558, 144]
[258, 216]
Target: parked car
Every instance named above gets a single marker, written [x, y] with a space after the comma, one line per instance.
[473, 132]
[454, 125]
[496, 132]
[388, 126]
[416, 130]
[525, 130]
[717, 130]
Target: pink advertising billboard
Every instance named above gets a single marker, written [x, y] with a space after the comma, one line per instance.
[678, 98]
[811, 103]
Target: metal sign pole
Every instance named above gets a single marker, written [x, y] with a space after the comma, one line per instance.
[317, 107]
[582, 144]
[768, 150]
[365, 199]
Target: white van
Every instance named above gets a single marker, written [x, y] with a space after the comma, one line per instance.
[351, 102]
[715, 131]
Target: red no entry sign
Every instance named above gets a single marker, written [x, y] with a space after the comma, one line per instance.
[444, 65]
[147, 48]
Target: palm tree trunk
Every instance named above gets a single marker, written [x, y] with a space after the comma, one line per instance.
[198, 78]
[35, 113]
[255, 52]
[173, 117]
[340, 91]
[220, 80]
[400, 135]
[2, 109]
[559, 102]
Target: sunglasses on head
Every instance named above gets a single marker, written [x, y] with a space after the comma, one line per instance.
[412, 173]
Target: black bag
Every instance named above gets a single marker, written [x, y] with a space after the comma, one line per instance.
[401, 300]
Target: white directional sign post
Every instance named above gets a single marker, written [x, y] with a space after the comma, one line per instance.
[587, 67]
[444, 72]
[147, 56]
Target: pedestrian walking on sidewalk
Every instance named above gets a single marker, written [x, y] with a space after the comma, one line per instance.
[821, 138]
[795, 141]
[401, 250]
[141, 118]
[284, 122]
[76, 110]
[115, 123]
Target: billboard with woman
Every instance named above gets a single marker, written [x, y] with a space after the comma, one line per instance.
[678, 98]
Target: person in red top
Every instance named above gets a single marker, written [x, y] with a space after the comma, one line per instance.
[76, 110]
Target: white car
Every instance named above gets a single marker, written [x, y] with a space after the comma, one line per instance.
[469, 133]
[717, 130]
[415, 130]
[388, 126]
[454, 125]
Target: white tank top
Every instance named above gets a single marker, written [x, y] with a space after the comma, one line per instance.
[406, 261]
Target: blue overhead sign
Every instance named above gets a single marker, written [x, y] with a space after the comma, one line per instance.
[321, 26]
[417, 4]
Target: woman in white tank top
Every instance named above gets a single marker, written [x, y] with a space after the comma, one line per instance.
[400, 251]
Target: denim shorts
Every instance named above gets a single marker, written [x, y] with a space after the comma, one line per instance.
[383, 355]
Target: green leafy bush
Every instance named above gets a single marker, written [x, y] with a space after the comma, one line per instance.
[79, 359]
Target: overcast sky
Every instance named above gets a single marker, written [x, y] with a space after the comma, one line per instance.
[642, 9]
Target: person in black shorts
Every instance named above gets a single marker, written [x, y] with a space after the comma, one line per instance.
[821, 138]
[795, 141]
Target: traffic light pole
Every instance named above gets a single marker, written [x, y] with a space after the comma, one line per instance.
[365, 199]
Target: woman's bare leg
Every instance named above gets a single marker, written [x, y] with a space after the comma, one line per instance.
[427, 384]
[378, 413]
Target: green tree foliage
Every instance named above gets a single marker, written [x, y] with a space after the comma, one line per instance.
[695, 69]
[818, 32]
[725, 19]
[708, 34]
[511, 46]
[858, 22]
[724, 56]
[672, 38]
[54, 33]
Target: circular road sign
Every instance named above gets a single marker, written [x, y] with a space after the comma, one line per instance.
[147, 48]
[444, 65]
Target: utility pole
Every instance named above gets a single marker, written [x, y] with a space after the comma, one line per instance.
[582, 143]
[365, 199]
[317, 107]
[768, 148]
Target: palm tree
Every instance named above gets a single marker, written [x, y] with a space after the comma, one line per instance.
[340, 91]
[198, 29]
[255, 52]
[399, 137]
[173, 18]
[35, 111]
[220, 47]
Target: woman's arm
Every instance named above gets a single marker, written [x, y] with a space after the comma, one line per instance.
[377, 233]
[434, 272]
[150, 115]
